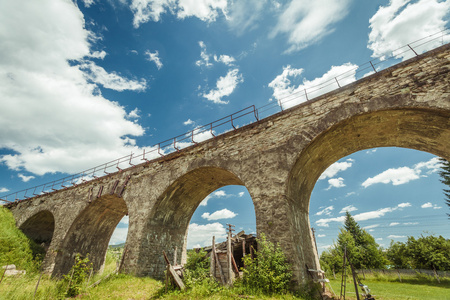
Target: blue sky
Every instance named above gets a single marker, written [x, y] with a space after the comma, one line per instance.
[90, 81]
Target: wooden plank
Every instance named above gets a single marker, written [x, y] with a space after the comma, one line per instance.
[177, 278]
[222, 278]
[212, 266]
[234, 265]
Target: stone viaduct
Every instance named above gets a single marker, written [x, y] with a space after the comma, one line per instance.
[278, 159]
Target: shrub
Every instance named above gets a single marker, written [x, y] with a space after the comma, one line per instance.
[268, 273]
[78, 275]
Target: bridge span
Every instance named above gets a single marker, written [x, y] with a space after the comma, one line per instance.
[278, 159]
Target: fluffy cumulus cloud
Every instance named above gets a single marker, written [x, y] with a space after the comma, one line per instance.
[219, 215]
[335, 168]
[224, 87]
[348, 208]
[402, 22]
[216, 194]
[307, 22]
[151, 10]
[336, 182]
[201, 235]
[3, 190]
[364, 216]
[48, 80]
[402, 175]
[430, 205]
[289, 89]
[154, 57]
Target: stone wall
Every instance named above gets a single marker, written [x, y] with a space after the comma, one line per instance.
[277, 159]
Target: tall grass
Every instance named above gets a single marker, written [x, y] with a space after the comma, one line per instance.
[15, 247]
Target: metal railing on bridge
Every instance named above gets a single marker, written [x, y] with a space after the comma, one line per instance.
[238, 119]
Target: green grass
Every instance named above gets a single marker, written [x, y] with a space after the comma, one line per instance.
[386, 287]
[16, 248]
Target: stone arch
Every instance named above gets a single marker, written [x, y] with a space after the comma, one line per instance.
[40, 227]
[90, 233]
[426, 130]
[168, 222]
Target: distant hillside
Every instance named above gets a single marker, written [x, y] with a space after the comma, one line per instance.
[117, 246]
[15, 247]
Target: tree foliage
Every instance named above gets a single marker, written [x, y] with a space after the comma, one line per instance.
[269, 272]
[362, 250]
[445, 175]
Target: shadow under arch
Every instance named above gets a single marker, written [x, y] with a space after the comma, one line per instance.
[419, 129]
[90, 233]
[167, 226]
[40, 228]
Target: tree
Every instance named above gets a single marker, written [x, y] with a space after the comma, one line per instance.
[445, 174]
[429, 252]
[398, 255]
[362, 250]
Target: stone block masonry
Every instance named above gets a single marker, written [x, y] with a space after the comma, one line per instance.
[277, 159]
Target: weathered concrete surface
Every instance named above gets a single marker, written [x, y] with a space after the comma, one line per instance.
[278, 160]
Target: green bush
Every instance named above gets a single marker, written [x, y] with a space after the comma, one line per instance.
[269, 272]
[78, 275]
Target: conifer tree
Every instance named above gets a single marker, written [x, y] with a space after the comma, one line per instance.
[445, 175]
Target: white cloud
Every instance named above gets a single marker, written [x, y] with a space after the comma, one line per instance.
[188, 122]
[395, 176]
[88, 3]
[70, 125]
[348, 208]
[336, 182]
[288, 94]
[307, 22]
[427, 205]
[372, 226]
[379, 239]
[411, 223]
[25, 178]
[392, 236]
[401, 22]
[371, 150]
[244, 15]
[134, 114]
[151, 10]
[112, 80]
[216, 194]
[241, 194]
[335, 168]
[430, 205]
[404, 174]
[433, 165]
[3, 190]
[363, 216]
[321, 235]
[224, 87]
[219, 214]
[204, 61]
[205, 201]
[125, 220]
[394, 224]
[225, 59]
[154, 57]
[350, 194]
[202, 234]
[119, 236]
[326, 211]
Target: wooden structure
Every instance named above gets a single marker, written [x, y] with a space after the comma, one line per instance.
[227, 257]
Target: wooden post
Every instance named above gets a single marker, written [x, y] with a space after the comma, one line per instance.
[243, 251]
[229, 263]
[175, 256]
[222, 277]
[35, 290]
[212, 261]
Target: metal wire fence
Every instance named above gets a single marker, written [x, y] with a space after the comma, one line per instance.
[238, 119]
